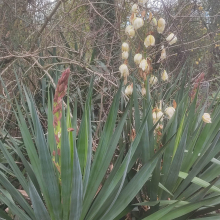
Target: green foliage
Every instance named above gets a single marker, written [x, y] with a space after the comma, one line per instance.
[174, 169]
[78, 192]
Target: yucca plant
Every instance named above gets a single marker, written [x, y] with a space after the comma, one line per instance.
[185, 182]
[63, 178]
[170, 165]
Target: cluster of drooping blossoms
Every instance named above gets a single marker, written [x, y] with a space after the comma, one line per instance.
[158, 115]
[60, 92]
[144, 64]
[137, 20]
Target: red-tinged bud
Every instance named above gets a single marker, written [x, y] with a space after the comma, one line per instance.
[54, 153]
[65, 76]
[55, 122]
[61, 87]
[70, 129]
[58, 151]
[56, 97]
[57, 139]
[57, 108]
[62, 94]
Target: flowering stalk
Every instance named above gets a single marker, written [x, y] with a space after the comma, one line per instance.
[57, 108]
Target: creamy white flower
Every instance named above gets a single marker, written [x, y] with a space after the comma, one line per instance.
[154, 115]
[154, 22]
[164, 75]
[170, 112]
[138, 23]
[124, 70]
[125, 47]
[129, 30]
[134, 8]
[172, 39]
[157, 115]
[125, 55]
[143, 64]
[149, 41]
[143, 91]
[137, 58]
[153, 80]
[206, 118]
[161, 25]
[129, 90]
[163, 54]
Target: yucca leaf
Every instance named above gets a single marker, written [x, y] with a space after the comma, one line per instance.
[38, 205]
[7, 170]
[209, 217]
[182, 210]
[66, 179]
[167, 157]
[83, 136]
[172, 175]
[4, 215]
[13, 207]
[14, 167]
[136, 107]
[163, 203]
[26, 164]
[97, 171]
[89, 155]
[48, 171]
[77, 189]
[51, 137]
[102, 196]
[134, 186]
[202, 161]
[160, 214]
[16, 195]
[199, 182]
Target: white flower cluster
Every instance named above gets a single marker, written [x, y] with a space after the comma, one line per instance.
[144, 64]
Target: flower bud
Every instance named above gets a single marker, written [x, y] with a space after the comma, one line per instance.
[138, 23]
[172, 39]
[154, 22]
[206, 118]
[137, 58]
[143, 64]
[125, 55]
[164, 75]
[143, 91]
[157, 115]
[134, 8]
[161, 25]
[149, 41]
[169, 112]
[124, 70]
[125, 47]
[163, 54]
[129, 30]
[153, 80]
[129, 90]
